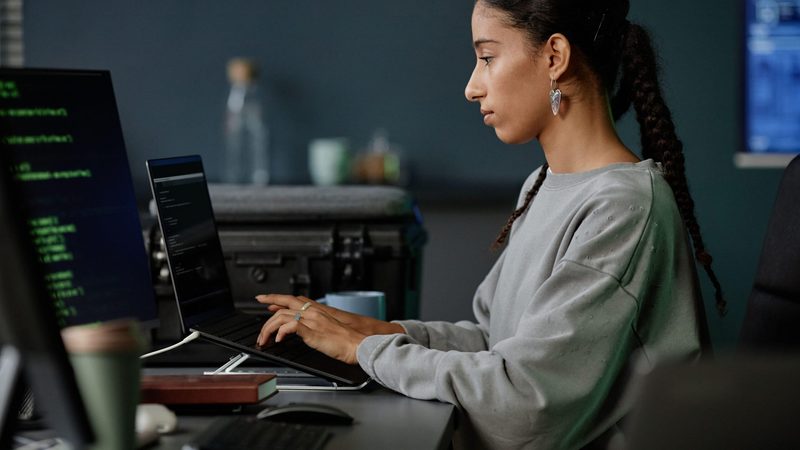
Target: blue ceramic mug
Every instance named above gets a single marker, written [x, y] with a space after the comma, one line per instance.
[365, 303]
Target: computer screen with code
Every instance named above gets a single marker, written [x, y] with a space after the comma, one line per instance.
[62, 135]
[197, 264]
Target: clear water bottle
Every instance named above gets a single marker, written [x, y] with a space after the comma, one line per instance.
[246, 132]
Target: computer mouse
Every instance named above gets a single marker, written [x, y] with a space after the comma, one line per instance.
[316, 413]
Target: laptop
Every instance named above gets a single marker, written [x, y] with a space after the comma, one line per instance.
[200, 280]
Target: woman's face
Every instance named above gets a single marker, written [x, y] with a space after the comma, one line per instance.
[510, 83]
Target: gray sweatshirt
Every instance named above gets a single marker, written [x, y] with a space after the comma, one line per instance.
[598, 268]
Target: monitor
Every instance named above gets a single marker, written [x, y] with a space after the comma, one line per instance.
[61, 133]
[30, 343]
[771, 77]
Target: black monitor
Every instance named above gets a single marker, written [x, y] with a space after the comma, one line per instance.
[73, 213]
[30, 343]
[61, 133]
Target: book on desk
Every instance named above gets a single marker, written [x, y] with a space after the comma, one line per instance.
[207, 389]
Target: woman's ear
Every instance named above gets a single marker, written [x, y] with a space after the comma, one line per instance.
[558, 52]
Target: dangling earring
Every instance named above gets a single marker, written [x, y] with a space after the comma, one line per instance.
[555, 97]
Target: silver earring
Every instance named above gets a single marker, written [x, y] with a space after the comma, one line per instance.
[555, 97]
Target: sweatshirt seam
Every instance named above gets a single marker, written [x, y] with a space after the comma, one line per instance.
[636, 302]
[641, 231]
[639, 241]
[613, 277]
[628, 293]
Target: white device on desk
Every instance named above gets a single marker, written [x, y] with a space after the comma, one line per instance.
[152, 420]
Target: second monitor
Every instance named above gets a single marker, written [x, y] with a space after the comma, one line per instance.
[62, 136]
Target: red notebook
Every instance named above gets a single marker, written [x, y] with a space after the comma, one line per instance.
[207, 389]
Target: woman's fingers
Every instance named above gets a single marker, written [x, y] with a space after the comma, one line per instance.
[291, 327]
[317, 329]
[278, 305]
[285, 301]
[279, 318]
[277, 302]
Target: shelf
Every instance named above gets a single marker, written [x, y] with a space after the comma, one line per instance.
[763, 160]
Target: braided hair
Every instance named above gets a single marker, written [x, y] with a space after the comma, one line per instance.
[601, 35]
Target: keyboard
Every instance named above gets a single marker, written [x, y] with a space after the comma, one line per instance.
[238, 432]
[243, 329]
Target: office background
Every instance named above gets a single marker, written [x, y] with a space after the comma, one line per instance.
[348, 68]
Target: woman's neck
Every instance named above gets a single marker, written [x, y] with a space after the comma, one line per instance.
[582, 137]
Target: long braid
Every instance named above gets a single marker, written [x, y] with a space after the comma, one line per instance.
[501, 238]
[659, 140]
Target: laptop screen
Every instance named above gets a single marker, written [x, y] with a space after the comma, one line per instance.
[194, 253]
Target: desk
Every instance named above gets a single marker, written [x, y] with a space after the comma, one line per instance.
[383, 419]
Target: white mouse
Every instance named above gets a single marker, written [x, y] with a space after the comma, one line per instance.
[154, 416]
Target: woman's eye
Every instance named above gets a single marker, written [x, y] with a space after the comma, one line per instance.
[486, 59]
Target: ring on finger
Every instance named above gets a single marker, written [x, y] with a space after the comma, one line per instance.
[298, 316]
[306, 305]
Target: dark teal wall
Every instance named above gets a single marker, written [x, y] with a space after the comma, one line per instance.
[331, 69]
[700, 49]
[348, 67]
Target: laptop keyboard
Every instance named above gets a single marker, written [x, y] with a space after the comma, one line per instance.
[234, 433]
[234, 323]
[244, 330]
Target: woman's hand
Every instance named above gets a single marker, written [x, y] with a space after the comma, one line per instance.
[321, 327]
[363, 324]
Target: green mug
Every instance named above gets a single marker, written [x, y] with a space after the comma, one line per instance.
[105, 358]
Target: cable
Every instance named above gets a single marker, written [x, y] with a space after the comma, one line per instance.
[186, 340]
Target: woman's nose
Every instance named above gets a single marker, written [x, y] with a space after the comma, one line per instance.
[474, 90]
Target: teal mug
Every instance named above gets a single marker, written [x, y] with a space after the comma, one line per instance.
[365, 303]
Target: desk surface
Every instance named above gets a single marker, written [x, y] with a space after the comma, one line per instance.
[383, 419]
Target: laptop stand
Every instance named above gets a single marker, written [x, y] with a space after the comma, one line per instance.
[229, 368]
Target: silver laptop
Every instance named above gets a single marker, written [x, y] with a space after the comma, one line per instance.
[200, 280]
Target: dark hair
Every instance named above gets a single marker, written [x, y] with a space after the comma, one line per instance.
[600, 33]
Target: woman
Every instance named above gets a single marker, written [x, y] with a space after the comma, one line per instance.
[597, 265]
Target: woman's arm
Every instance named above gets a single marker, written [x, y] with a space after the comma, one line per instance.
[542, 387]
[460, 336]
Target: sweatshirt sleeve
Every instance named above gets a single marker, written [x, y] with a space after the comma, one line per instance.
[462, 336]
[515, 393]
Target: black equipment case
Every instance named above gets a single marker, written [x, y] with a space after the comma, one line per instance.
[308, 241]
